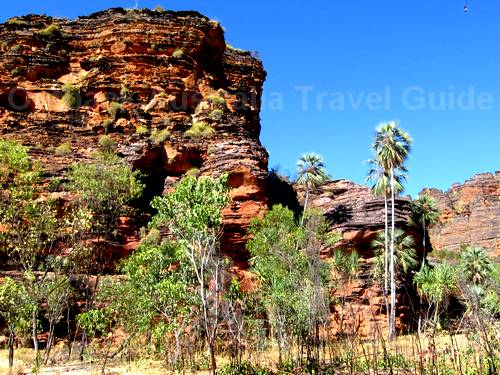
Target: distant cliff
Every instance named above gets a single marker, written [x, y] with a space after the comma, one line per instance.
[470, 214]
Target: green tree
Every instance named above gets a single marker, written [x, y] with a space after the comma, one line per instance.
[392, 146]
[436, 285]
[405, 259]
[311, 174]
[16, 310]
[292, 277]
[424, 213]
[104, 187]
[193, 215]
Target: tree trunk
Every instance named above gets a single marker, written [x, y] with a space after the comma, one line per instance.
[11, 348]
[34, 335]
[424, 257]
[386, 261]
[305, 207]
[393, 276]
[213, 362]
[50, 341]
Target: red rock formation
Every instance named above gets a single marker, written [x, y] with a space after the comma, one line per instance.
[470, 214]
[165, 68]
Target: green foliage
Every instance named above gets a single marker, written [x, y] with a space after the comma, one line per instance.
[216, 114]
[178, 53]
[193, 172]
[17, 21]
[159, 9]
[405, 254]
[124, 91]
[159, 136]
[51, 31]
[107, 124]
[71, 96]
[194, 207]
[16, 48]
[104, 187]
[475, 264]
[13, 158]
[345, 265]
[107, 144]
[142, 130]
[15, 72]
[95, 322]
[15, 305]
[436, 284]
[115, 110]
[200, 130]
[292, 278]
[217, 100]
[244, 368]
[63, 149]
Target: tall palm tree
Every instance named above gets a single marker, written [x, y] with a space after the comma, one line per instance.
[311, 174]
[381, 187]
[424, 213]
[392, 146]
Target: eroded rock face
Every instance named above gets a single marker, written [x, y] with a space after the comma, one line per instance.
[470, 214]
[167, 70]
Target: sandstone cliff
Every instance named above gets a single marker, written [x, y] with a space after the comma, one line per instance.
[470, 214]
[131, 73]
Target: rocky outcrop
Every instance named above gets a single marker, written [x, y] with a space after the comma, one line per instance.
[470, 214]
[352, 210]
[131, 73]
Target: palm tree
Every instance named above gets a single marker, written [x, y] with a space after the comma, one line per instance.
[392, 146]
[311, 174]
[405, 254]
[424, 213]
[475, 264]
[381, 187]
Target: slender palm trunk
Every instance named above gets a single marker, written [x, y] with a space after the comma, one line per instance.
[424, 257]
[393, 276]
[386, 261]
[11, 348]
[305, 207]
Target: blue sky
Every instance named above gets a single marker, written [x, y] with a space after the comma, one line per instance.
[337, 68]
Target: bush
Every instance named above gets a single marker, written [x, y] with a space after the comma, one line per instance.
[159, 9]
[217, 100]
[16, 48]
[200, 130]
[159, 136]
[216, 114]
[124, 91]
[71, 95]
[142, 130]
[193, 172]
[178, 53]
[107, 144]
[15, 72]
[107, 125]
[50, 31]
[17, 21]
[63, 149]
[115, 109]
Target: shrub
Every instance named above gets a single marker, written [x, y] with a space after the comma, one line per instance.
[63, 149]
[178, 53]
[216, 114]
[15, 72]
[16, 48]
[71, 95]
[199, 130]
[217, 100]
[124, 91]
[107, 144]
[142, 130]
[159, 9]
[51, 31]
[115, 109]
[16, 21]
[193, 172]
[107, 125]
[159, 136]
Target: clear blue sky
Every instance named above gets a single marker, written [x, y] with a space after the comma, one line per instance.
[362, 62]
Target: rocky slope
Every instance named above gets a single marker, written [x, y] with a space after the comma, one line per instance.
[470, 213]
[134, 72]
